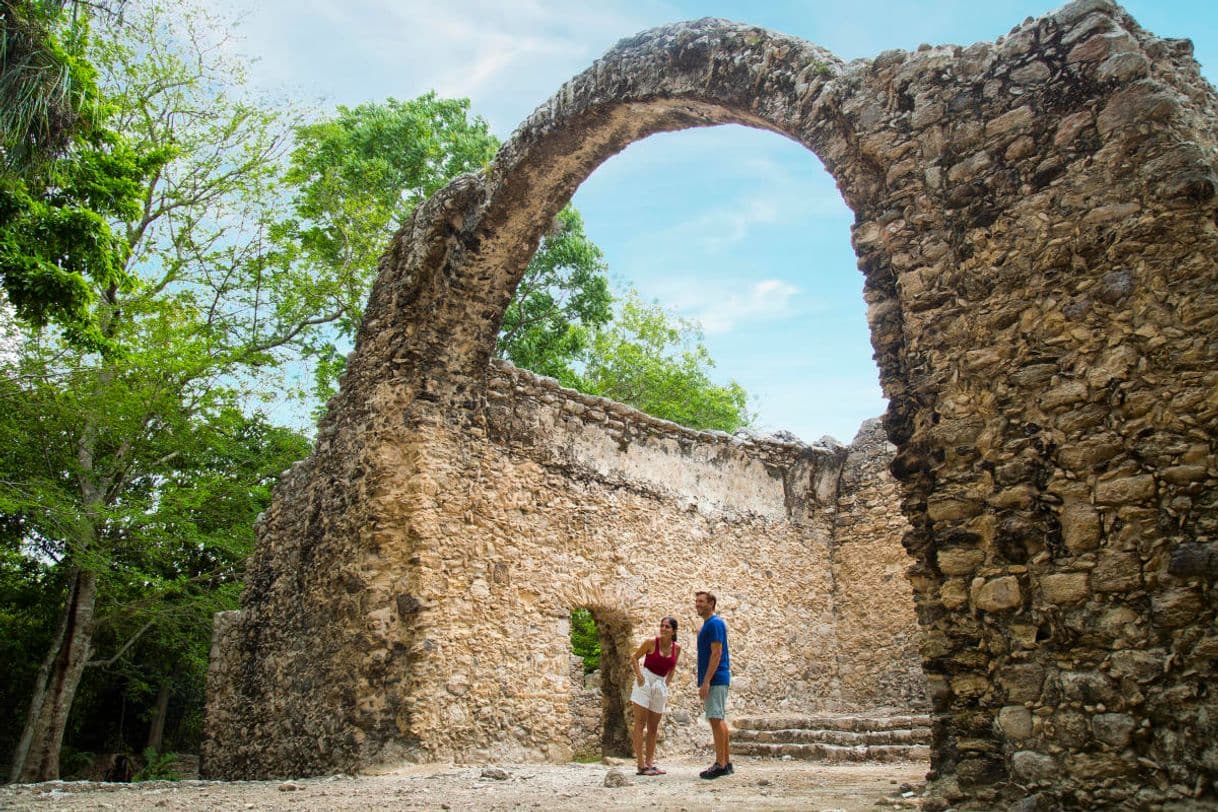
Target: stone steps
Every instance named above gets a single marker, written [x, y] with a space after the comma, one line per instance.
[834, 737]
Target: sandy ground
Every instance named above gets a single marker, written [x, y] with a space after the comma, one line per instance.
[757, 784]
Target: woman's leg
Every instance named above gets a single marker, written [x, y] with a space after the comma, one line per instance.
[653, 725]
[640, 717]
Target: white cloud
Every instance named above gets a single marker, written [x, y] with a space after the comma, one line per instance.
[507, 58]
[728, 225]
[770, 298]
[720, 306]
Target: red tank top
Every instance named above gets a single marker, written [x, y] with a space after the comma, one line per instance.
[657, 663]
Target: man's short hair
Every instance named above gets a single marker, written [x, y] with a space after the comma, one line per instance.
[710, 597]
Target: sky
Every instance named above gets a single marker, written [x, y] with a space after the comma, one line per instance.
[740, 229]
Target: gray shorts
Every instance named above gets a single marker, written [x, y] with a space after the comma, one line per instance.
[716, 702]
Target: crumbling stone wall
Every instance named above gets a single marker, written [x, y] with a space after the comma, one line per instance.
[1035, 224]
[879, 665]
[569, 501]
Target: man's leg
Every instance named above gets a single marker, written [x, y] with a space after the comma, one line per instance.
[722, 751]
[719, 731]
[716, 704]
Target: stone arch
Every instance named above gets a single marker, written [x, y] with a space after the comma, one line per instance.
[1035, 223]
[699, 74]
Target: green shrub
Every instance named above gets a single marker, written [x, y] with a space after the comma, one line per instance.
[158, 767]
[585, 640]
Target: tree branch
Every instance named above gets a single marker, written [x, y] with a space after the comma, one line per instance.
[123, 650]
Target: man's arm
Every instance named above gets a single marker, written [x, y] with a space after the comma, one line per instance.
[712, 665]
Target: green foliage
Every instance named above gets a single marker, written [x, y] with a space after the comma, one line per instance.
[66, 175]
[58, 247]
[658, 364]
[585, 640]
[561, 299]
[141, 465]
[157, 767]
[354, 178]
[74, 763]
[48, 89]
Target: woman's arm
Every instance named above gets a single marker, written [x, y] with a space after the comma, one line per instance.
[676, 659]
[642, 651]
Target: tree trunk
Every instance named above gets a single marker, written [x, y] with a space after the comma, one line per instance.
[37, 755]
[156, 733]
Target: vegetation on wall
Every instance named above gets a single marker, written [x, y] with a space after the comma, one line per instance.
[585, 640]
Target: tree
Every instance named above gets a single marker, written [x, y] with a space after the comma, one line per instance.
[354, 179]
[561, 300]
[48, 89]
[57, 247]
[63, 174]
[658, 364]
[585, 639]
[98, 444]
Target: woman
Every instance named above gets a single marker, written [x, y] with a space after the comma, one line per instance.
[650, 692]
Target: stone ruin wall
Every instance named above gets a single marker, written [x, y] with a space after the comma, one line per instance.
[1036, 228]
[572, 501]
[879, 664]
[662, 511]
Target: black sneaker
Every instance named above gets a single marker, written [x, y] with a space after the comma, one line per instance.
[729, 769]
[714, 771]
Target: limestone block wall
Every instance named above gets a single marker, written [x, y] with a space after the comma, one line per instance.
[587, 719]
[562, 501]
[879, 662]
[572, 502]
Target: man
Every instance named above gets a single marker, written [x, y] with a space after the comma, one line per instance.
[714, 675]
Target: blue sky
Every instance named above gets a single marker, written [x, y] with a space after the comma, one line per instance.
[739, 229]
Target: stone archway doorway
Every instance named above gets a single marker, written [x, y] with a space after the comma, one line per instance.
[599, 702]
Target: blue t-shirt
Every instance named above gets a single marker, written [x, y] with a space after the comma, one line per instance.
[714, 630]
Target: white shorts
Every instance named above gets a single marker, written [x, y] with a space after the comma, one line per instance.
[652, 694]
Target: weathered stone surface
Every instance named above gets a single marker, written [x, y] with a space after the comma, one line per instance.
[1173, 608]
[1088, 687]
[1022, 682]
[1117, 572]
[960, 561]
[1015, 722]
[1080, 525]
[1125, 490]
[1034, 767]
[616, 778]
[997, 594]
[1138, 665]
[1065, 588]
[452, 508]
[1114, 729]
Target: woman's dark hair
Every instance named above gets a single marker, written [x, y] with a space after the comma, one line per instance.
[671, 621]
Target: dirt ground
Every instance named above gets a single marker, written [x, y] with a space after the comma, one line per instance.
[756, 784]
